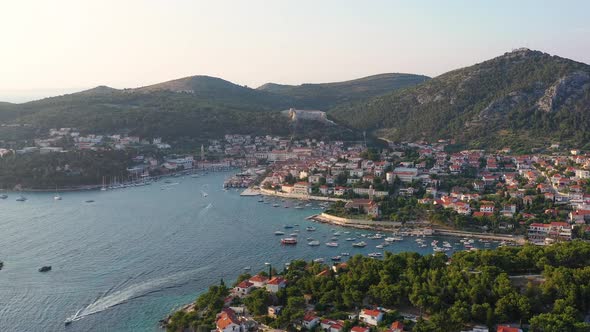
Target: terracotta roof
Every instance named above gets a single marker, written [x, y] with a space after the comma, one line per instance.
[245, 284]
[508, 329]
[309, 317]
[276, 281]
[372, 313]
[226, 318]
[359, 329]
[258, 278]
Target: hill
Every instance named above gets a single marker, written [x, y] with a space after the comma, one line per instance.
[521, 99]
[326, 95]
[193, 108]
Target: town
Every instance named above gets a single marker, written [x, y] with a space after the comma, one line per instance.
[544, 197]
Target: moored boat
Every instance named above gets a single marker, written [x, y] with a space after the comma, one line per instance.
[289, 241]
[361, 244]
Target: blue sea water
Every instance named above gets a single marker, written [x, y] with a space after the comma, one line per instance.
[132, 256]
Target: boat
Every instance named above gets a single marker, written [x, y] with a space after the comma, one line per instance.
[21, 199]
[266, 263]
[313, 243]
[70, 319]
[336, 258]
[375, 255]
[279, 233]
[310, 228]
[332, 244]
[275, 205]
[57, 197]
[289, 241]
[298, 207]
[379, 246]
[288, 226]
[318, 260]
[247, 268]
[261, 200]
[345, 254]
[89, 201]
[351, 239]
[3, 196]
[46, 268]
[361, 244]
[394, 238]
[293, 235]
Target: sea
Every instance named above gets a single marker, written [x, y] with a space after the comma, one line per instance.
[124, 259]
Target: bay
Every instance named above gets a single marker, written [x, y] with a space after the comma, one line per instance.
[132, 256]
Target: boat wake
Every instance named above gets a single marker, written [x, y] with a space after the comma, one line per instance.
[114, 298]
[205, 209]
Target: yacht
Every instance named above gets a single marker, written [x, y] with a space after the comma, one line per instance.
[336, 258]
[279, 233]
[332, 244]
[310, 228]
[21, 199]
[313, 243]
[351, 239]
[3, 196]
[344, 254]
[57, 197]
[375, 255]
[247, 268]
[361, 244]
[318, 260]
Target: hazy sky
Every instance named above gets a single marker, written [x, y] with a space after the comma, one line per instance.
[57, 46]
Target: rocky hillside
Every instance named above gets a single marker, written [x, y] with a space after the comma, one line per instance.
[521, 99]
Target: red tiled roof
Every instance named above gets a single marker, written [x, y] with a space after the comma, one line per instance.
[276, 281]
[372, 313]
[359, 329]
[508, 329]
[258, 278]
[244, 284]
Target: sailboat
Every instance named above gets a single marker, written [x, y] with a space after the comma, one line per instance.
[57, 197]
[103, 188]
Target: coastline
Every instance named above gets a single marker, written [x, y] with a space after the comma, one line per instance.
[391, 226]
[86, 187]
[267, 192]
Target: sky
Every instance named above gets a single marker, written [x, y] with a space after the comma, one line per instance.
[61, 46]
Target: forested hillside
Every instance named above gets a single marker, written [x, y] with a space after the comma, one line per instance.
[520, 99]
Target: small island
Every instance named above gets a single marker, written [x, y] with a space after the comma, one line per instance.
[534, 287]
